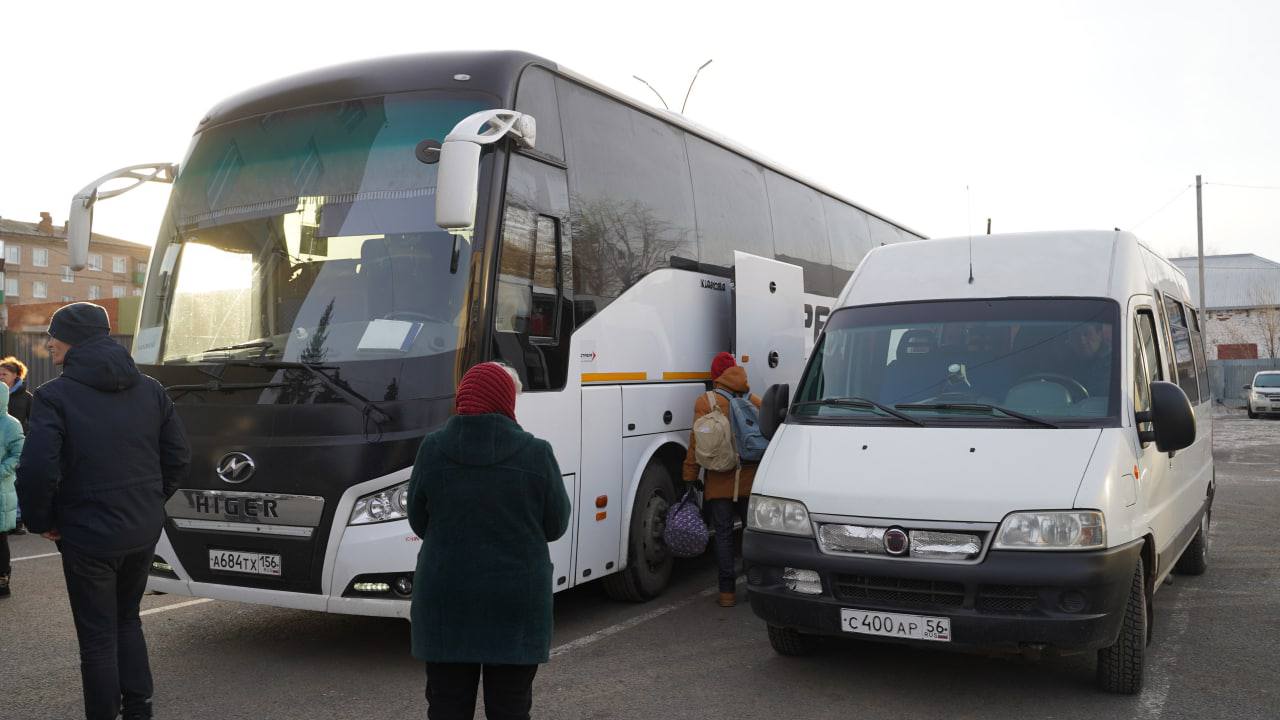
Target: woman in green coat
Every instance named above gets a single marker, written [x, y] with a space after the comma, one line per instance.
[11, 439]
[485, 497]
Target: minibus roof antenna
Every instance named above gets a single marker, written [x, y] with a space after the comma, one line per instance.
[969, 224]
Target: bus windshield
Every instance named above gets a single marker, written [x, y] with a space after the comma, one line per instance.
[308, 235]
[1023, 361]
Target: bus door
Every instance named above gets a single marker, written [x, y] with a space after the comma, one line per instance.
[533, 323]
[768, 316]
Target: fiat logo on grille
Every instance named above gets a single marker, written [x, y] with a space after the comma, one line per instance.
[896, 541]
[235, 468]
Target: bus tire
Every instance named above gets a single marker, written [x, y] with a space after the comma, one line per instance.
[1120, 666]
[648, 562]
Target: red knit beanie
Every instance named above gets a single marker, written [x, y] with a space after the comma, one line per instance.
[486, 388]
[720, 363]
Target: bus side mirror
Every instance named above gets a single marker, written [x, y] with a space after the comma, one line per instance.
[456, 185]
[773, 409]
[459, 169]
[1172, 421]
[79, 230]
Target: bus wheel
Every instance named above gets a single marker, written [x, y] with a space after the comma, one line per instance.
[648, 561]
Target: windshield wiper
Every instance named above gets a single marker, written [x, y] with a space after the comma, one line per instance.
[977, 406]
[352, 398]
[861, 402]
[217, 385]
[265, 345]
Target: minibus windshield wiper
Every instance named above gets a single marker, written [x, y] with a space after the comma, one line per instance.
[352, 398]
[861, 402]
[265, 345]
[976, 406]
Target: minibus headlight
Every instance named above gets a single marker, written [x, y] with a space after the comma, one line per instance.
[382, 506]
[1052, 530]
[777, 515]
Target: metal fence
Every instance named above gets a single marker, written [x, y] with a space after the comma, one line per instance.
[1227, 378]
[29, 348]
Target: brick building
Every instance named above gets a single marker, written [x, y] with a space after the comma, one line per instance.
[1242, 304]
[36, 269]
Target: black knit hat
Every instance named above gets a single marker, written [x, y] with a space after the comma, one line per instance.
[79, 322]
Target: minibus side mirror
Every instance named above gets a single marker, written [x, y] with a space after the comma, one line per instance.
[1172, 421]
[1246, 387]
[773, 409]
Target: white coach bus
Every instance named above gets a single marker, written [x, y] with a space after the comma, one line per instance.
[326, 272]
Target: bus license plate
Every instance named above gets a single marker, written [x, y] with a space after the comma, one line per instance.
[914, 627]
[244, 562]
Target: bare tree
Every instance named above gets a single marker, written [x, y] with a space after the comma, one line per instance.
[1266, 311]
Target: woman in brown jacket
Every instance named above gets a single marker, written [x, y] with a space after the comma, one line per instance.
[725, 493]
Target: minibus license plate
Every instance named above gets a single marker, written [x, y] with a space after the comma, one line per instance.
[244, 562]
[915, 627]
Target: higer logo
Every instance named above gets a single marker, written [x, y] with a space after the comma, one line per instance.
[235, 468]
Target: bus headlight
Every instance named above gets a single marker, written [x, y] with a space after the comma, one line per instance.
[1054, 530]
[382, 506]
[776, 515]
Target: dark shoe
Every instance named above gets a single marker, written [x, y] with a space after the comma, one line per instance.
[727, 599]
[18, 529]
[4, 586]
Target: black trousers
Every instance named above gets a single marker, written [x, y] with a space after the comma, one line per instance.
[105, 594]
[722, 514]
[451, 691]
[5, 567]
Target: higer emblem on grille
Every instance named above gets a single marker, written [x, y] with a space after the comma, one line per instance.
[235, 468]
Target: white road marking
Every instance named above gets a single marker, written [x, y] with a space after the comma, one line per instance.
[36, 557]
[630, 623]
[175, 606]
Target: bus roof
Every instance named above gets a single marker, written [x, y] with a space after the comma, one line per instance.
[495, 72]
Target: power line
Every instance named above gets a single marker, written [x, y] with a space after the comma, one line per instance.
[1242, 185]
[1161, 208]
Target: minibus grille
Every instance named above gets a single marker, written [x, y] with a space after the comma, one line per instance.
[899, 591]
[1007, 598]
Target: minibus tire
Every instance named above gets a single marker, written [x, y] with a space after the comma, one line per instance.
[1252, 415]
[1120, 666]
[791, 643]
[1195, 559]
[649, 563]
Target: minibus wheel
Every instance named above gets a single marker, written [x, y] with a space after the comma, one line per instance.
[789, 642]
[1120, 666]
[648, 561]
[1195, 559]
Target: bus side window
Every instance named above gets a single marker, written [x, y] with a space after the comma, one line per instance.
[1184, 358]
[1141, 374]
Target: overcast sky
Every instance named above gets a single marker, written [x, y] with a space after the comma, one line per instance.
[1053, 115]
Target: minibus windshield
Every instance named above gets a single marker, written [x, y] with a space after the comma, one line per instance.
[1027, 362]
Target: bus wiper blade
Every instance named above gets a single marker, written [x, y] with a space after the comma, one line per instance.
[352, 398]
[977, 406]
[216, 385]
[264, 344]
[862, 402]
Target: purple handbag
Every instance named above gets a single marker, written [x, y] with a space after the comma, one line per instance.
[685, 534]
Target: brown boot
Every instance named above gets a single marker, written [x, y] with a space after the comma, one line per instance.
[727, 599]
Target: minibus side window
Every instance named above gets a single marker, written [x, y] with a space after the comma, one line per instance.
[1141, 373]
[1184, 358]
[1197, 349]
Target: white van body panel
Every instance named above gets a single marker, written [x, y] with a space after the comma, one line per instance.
[1108, 485]
[927, 473]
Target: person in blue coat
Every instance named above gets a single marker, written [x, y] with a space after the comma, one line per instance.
[485, 497]
[105, 449]
[11, 439]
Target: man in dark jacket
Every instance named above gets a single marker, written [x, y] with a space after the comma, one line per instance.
[105, 450]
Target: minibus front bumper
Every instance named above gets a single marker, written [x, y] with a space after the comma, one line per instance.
[1011, 601]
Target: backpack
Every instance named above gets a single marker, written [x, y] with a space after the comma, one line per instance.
[745, 422]
[685, 533]
[713, 446]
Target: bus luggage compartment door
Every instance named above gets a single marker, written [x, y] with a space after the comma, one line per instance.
[768, 316]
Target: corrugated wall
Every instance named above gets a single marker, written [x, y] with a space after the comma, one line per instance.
[1228, 377]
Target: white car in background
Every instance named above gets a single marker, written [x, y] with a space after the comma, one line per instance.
[1264, 393]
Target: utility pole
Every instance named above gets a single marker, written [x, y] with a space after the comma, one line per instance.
[1200, 244]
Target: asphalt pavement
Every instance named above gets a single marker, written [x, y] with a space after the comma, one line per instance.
[1213, 654]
